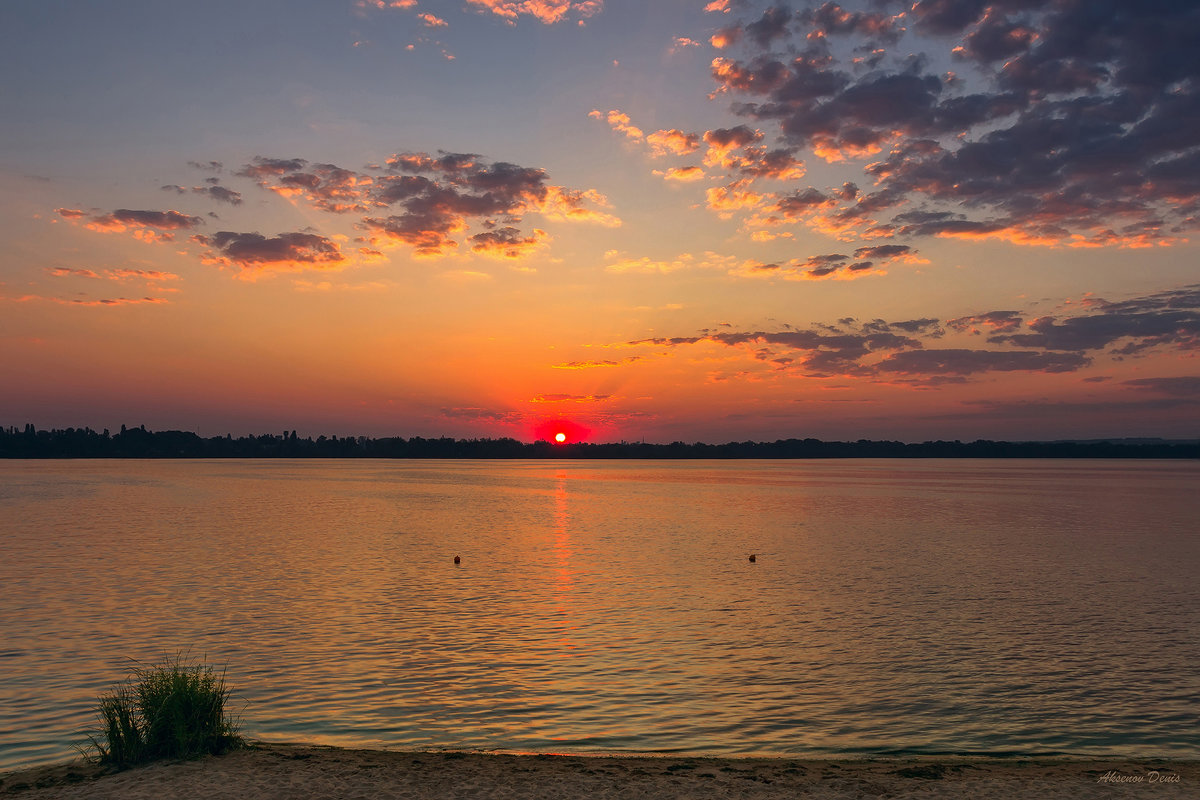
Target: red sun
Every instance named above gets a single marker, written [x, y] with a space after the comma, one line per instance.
[560, 431]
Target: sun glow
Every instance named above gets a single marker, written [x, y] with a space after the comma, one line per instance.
[558, 430]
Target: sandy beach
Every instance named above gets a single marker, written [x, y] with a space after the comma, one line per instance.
[271, 771]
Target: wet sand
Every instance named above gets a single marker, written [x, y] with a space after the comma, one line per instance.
[272, 771]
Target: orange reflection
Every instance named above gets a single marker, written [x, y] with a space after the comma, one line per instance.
[564, 575]
[562, 536]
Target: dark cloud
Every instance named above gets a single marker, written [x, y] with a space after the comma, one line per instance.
[483, 415]
[803, 202]
[928, 326]
[899, 351]
[213, 190]
[759, 162]
[254, 251]
[162, 220]
[433, 198]
[1120, 412]
[823, 353]
[262, 167]
[326, 186]
[969, 362]
[884, 251]
[724, 139]
[220, 194]
[997, 321]
[841, 266]
[772, 25]
[1184, 386]
[1167, 318]
[1076, 125]
[997, 37]
[865, 260]
[831, 19]
[149, 226]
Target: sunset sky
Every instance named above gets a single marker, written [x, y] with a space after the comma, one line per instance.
[658, 219]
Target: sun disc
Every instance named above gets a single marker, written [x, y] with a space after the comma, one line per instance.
[560, 437]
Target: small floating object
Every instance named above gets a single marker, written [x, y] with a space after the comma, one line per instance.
[457, 560]
[753, 558]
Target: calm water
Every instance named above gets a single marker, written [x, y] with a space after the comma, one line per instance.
[915, 606]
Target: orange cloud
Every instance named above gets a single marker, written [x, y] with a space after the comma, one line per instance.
[570, 398]
[727, 199]
[647, 265]
[1031, 236]
[570, 204]
[117, 301]
[368, 255]
[432, 21]
[723, 141]
[681, 174]
[149, 275]
[106, 302]
[62, 272]
[725, 38]
[507, 242]
[143, 274]
[770, 236]
[673, 141]
[619, 121]
[545, 11]
[596, 364]
[381, 4]
[620, 263]
[834, 151]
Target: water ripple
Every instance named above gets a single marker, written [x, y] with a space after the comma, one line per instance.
[895, 607]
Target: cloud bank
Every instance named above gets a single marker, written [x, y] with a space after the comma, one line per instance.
[1068, 122]
[901, 351]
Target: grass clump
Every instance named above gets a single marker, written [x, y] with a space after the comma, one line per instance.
[170, 710]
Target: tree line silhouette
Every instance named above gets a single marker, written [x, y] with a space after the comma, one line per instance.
[141, 443]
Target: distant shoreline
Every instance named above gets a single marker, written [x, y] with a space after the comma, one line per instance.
[74, 443]
[281, 770]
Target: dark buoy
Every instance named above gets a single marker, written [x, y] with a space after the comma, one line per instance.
[753, 558]
[457, 560]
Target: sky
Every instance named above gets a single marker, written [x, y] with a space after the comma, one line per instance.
[664, 220]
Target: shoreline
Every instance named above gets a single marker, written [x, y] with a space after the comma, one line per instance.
[274, 770]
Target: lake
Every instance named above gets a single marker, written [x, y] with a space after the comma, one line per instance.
[894, 606]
